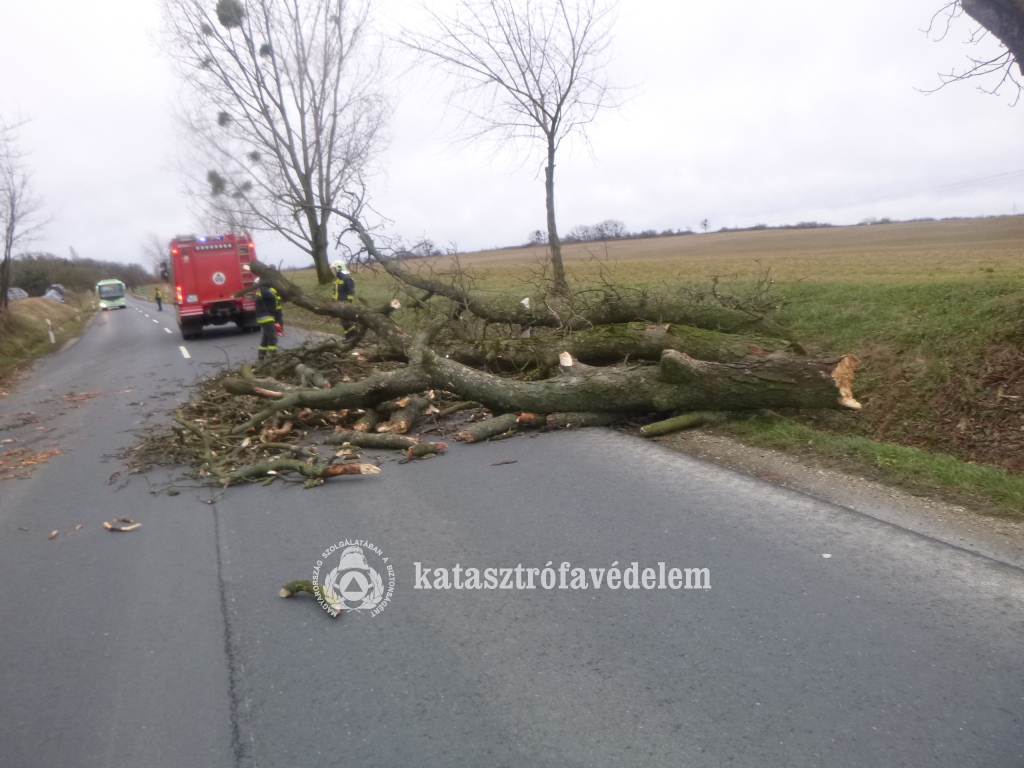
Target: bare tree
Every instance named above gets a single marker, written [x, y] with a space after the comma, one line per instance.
[155, 251]
[1004, 19]
[704, 224]
[283, 111]
[19, 207]
[530, 70]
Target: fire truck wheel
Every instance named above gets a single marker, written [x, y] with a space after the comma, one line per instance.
[190, 329]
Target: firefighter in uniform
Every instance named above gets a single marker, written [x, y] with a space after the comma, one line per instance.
[344, 290]
[159, 296]
[269, 318]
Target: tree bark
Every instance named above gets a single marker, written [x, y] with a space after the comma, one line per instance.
[488, 428]
[677, 423]
[367, 421]
[371, 440]
[1004, 19]
[375, 388]
[606, 344]
[561, 286]
[676, 383]
[578, 419]
[311, 376]
[402, 420]
[393, 338]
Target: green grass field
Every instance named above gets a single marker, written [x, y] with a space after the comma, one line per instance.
[935, 310]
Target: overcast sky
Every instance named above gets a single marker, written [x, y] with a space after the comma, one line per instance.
[744, 112]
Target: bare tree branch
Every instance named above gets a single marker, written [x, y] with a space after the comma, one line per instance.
[1004, 19]
[528, 71]
[20, 208]
[283, 111]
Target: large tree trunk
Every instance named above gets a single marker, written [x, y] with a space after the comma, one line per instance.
[318, 231]
[677, 383]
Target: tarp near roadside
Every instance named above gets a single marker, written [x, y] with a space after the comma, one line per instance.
[55, 292]
[13, 294]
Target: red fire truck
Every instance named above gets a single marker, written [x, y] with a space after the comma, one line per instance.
[207, 273]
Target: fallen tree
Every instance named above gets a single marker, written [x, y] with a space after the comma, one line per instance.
[570, 360]
[677, 383]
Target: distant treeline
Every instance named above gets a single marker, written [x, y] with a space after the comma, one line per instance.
[34, 272]
[613, 229]
[610, 229]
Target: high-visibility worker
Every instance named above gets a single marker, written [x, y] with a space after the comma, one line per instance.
[269, 317]
[159, 296]
[344, 290]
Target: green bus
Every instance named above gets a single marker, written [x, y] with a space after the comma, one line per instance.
[110, 294]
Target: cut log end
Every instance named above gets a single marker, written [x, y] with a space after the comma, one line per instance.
[294, 587]
[368, 421]
[842, 375]
[394, 427]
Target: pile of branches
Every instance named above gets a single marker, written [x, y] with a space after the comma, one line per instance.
[306, 446]
[596, 356]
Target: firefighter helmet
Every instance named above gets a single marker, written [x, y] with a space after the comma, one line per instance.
[340, 267]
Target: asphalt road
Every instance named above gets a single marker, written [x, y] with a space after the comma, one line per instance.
[169, 646]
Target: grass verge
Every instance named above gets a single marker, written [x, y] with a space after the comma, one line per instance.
[917, 469]
[23, 331]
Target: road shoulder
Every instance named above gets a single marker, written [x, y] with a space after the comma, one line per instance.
[1001, 538]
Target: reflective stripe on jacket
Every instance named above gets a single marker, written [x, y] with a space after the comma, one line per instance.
[268, 305]
[344, 287]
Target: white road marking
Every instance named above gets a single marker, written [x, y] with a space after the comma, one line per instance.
[156, 321]
[184, 353]
[145, 314]
[168, 330]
